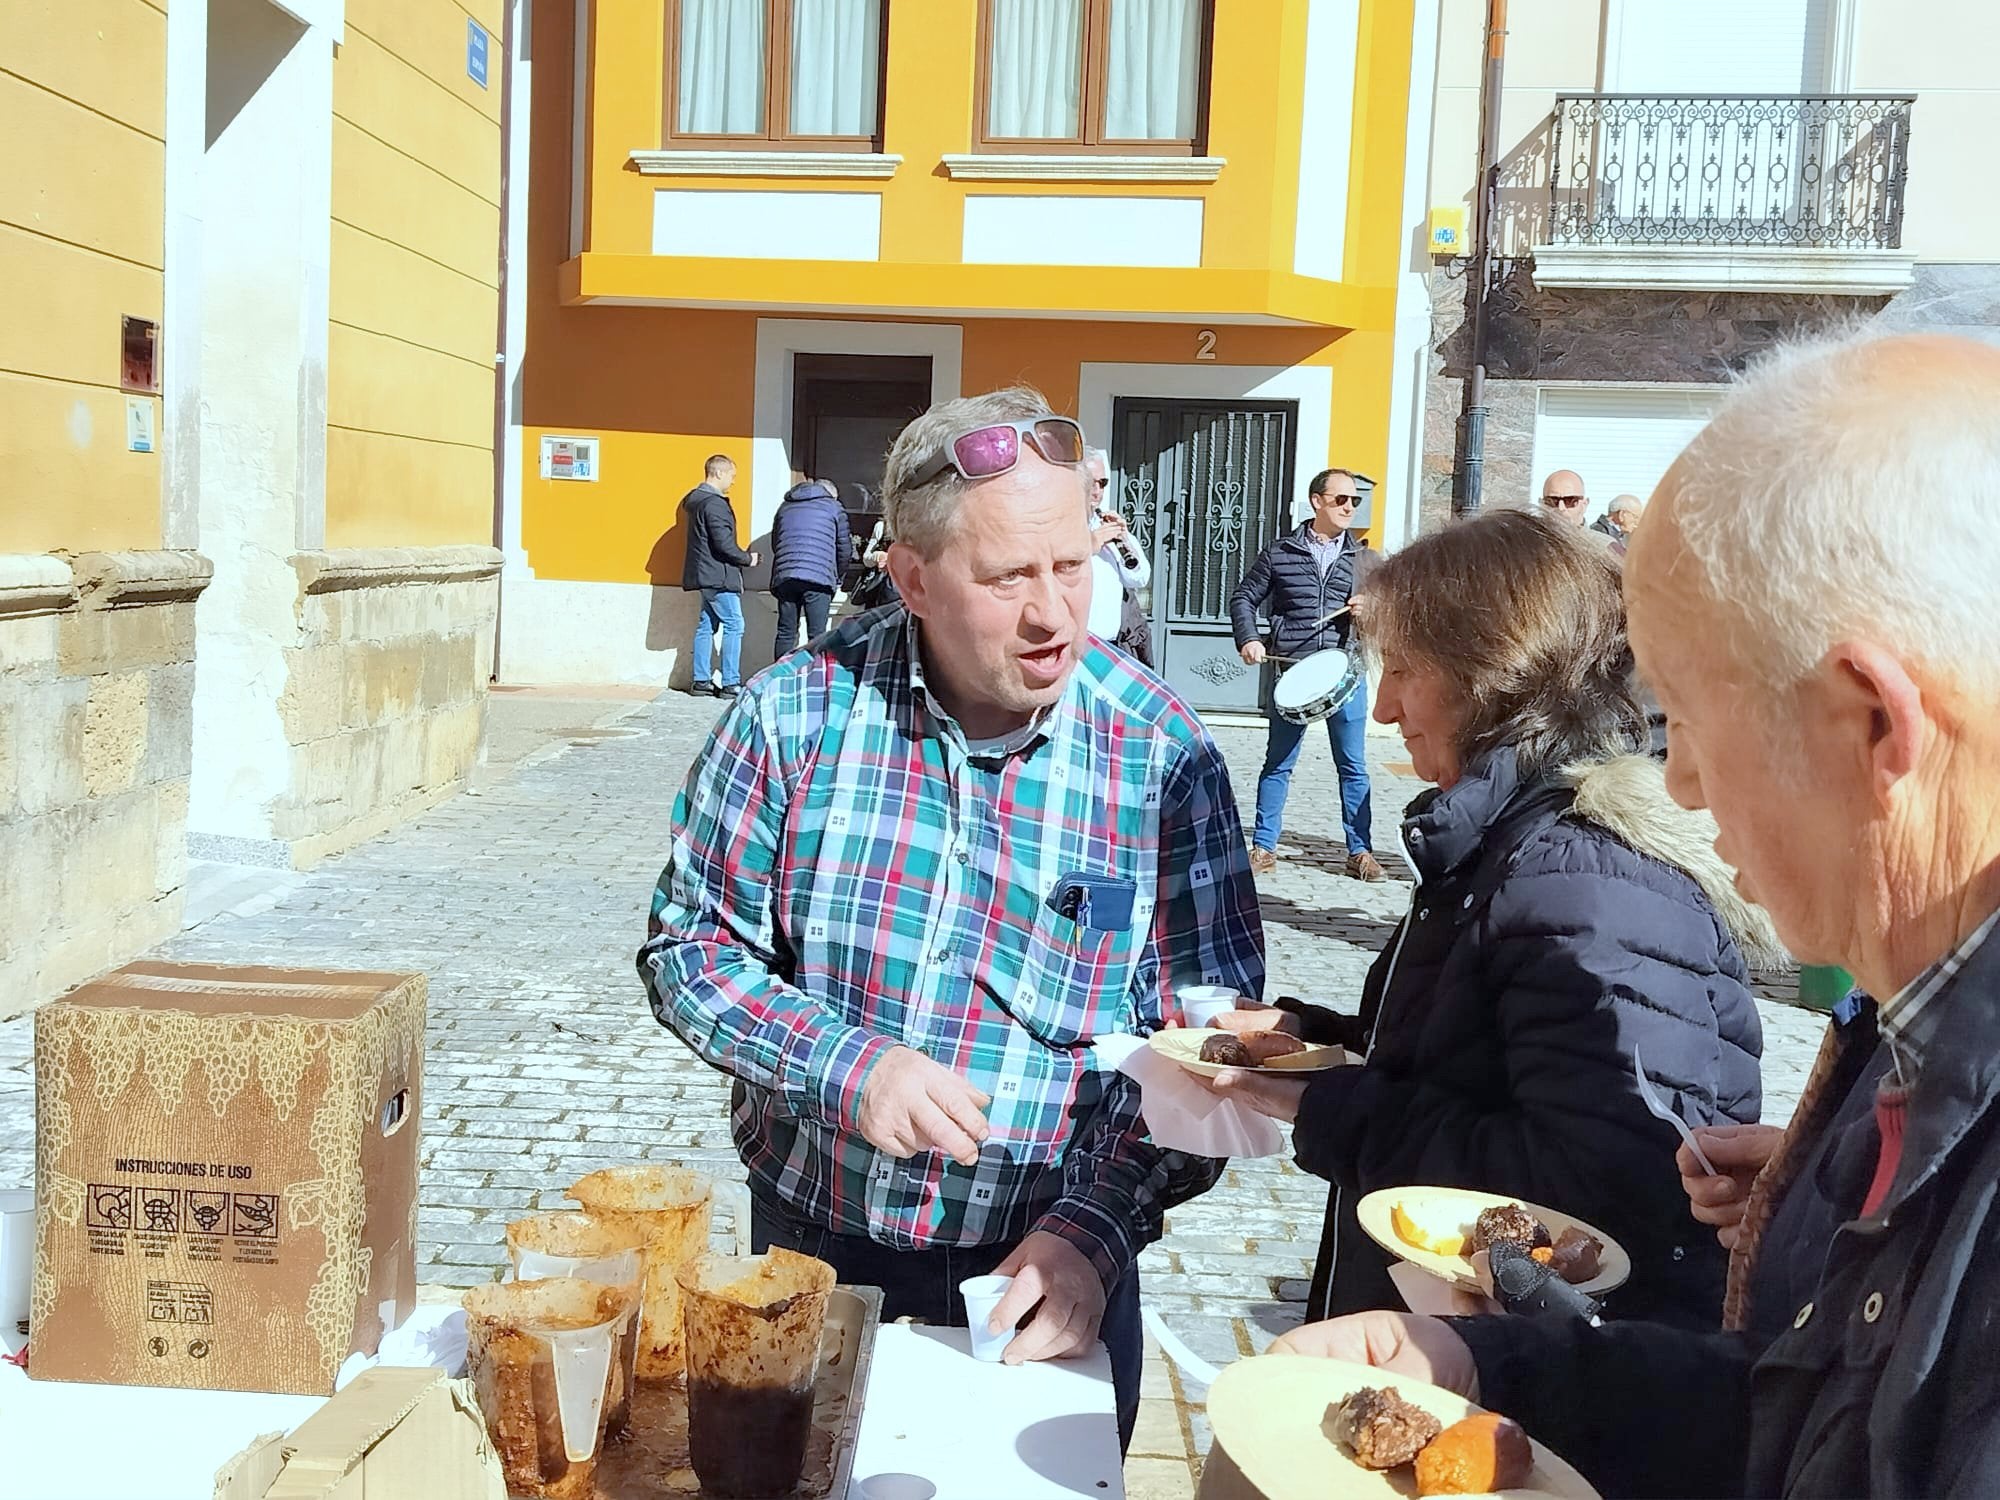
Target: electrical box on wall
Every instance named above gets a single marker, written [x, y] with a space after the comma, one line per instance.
[1448, 230]
[569, 458]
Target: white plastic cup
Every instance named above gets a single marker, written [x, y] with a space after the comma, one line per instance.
[982, 1294]
[17, 1255]
[1202, 1003]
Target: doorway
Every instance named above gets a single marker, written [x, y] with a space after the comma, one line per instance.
[1205, 487]
[846, 412]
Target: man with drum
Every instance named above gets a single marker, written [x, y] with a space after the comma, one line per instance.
[920, 866]
[1302, 583]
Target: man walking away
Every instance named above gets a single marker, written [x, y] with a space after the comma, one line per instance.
[714, 568]
[811, 544]
[1296, 583]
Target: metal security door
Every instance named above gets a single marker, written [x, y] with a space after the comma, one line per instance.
[1205, 486]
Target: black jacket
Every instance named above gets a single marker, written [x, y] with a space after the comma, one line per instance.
[1868, 1368]
[1541, 947]
[1284, 586]
[811, 541]
[714, 561]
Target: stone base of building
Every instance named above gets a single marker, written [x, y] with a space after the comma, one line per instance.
[96, 688]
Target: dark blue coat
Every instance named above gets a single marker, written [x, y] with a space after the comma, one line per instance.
[714, 561]
[811, 541]
[1499, 1024]
[1283, 585]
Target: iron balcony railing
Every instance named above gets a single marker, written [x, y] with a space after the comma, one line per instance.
[1818, 171]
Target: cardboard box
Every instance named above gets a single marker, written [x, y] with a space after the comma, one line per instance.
[227, 1167]
[391, 1434]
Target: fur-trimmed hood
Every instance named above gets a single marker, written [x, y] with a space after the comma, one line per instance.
[1627, 796]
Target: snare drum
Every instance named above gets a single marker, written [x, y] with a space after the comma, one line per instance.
[1316, 686]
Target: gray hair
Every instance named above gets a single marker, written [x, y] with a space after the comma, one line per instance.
[923, 518]
[1808, 524]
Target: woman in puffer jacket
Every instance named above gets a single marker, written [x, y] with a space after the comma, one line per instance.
[1567, 916]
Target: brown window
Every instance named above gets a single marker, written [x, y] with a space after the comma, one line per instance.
[764, 73]
[1118, 76]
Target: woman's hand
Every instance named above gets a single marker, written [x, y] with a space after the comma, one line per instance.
[1403, 1342]
[1275, 1097]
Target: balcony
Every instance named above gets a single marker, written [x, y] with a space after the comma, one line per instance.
[1769, 192]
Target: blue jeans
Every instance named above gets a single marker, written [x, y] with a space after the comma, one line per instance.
[1347, 732]
[924, 1284]
[721, 614]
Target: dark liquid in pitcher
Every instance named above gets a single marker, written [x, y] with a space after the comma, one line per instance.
[748, 1444]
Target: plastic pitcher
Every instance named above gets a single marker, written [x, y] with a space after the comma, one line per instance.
[584, 1247]
[670, 1208]
[539, 1353]
[754, 1325]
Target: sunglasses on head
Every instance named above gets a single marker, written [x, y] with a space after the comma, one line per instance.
[1567, 502]
[987, 452]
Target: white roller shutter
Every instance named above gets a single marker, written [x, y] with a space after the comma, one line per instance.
[1620, 441]
[1720, 47]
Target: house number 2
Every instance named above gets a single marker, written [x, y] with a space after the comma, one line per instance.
[1204, 344]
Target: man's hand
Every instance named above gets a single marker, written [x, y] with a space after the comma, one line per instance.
[1402, 1342]
[1276, 1097]
[1111, 531]
[1048, 1269]
[1249, 1016]
[1252, 653]
[1739, 1153]
[911, 1104]
[754, 558]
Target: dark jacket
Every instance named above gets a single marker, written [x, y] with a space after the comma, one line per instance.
[810, 539]
[1868, 1367]
[1541, 947]
[1284, 586]
[714, 561]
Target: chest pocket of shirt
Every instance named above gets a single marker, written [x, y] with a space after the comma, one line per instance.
[1075, 982]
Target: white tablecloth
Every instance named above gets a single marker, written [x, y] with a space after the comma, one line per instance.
[975, 1431]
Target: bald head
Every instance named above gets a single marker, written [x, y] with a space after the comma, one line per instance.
[1563, 494]
[1846, 486]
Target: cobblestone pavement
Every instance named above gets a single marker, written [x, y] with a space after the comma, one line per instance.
[524, 901]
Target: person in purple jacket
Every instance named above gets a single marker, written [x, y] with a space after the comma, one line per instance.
[811, 545]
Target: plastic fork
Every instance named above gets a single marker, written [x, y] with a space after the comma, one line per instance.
[1658, 1107]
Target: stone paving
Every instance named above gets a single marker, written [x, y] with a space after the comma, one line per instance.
[524, 901]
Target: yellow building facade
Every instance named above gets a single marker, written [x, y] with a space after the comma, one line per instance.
[249, 256]
[1186, 223]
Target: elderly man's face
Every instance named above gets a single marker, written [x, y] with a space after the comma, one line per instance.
[1787, 796]
[1006, 601]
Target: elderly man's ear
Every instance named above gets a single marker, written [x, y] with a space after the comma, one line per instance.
[1874, 696]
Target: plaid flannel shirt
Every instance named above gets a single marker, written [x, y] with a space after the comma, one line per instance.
[845, 876]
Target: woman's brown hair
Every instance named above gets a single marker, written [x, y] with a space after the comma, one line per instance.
[1526, 620]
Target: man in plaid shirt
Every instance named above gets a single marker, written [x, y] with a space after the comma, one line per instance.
[917, 871]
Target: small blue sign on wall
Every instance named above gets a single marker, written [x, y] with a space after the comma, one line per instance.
[475, 52]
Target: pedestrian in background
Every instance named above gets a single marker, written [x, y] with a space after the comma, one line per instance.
[1118, 570]
[714, 568]
[810, 548]
[1620, 521]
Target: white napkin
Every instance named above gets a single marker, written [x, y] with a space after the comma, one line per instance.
[1180, 1113]
[1426, 1293]
[434, 1334]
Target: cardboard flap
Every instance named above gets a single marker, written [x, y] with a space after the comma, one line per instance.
[341, 1433]
[248, 1476]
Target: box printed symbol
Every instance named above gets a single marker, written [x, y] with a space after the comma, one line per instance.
[198, 1348]
[110, 1206]
[256, 1216]
[207, 1210]
[157, 1347]
[161, 1208]
[179, 1302]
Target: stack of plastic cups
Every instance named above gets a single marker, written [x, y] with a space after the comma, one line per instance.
[582, 1247]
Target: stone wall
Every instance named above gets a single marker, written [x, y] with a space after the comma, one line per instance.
[96, 742]
[384, 703]
[1538, 334]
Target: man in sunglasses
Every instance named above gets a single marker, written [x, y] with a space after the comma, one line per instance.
[922, 865]
[1298, 583]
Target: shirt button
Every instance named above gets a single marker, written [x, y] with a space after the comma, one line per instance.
[963, 856]
[943, 955]
[1872, 1308]
[1805, 1313]
[1424, 912]
[1468, 902]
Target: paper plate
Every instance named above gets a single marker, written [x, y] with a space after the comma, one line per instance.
[1269, 1419]
[1435, 1203]
[1183, 1045]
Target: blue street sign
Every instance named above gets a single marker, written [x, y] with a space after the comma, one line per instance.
[475, 52]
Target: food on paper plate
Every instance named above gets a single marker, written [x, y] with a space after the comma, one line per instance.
[1249, 1049]
[1381, 1428]
[1576, 1256]
[1511, 1224]
[1477, 1456]
[1438, 1228]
